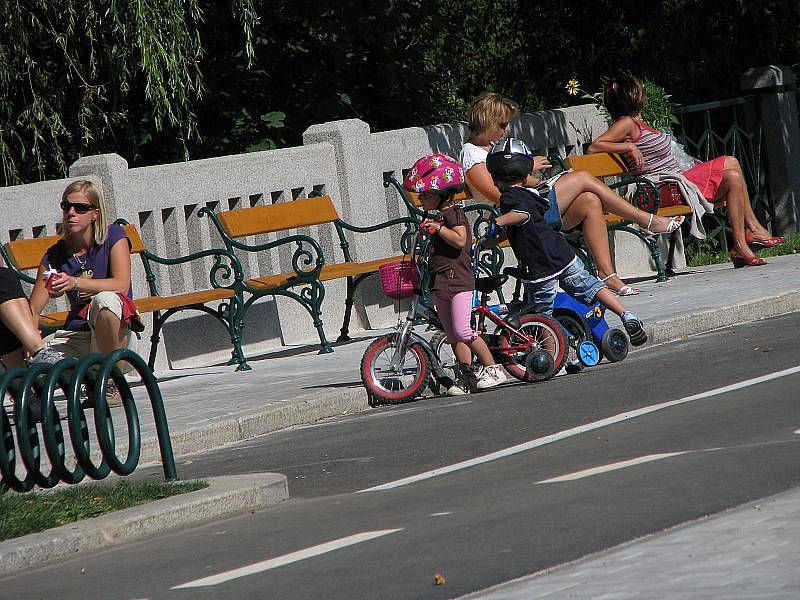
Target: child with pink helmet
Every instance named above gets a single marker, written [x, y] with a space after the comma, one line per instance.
[437, 178]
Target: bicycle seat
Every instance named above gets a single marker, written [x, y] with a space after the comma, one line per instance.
[490, 284]
[515, 272]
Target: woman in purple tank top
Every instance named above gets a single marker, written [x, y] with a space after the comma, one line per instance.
[648, 150]
[91, 266]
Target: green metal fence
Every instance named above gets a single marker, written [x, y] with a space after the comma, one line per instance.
[730, 127]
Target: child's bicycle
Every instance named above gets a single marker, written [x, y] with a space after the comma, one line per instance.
[397, 367]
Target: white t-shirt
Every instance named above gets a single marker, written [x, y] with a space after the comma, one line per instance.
[470, 156]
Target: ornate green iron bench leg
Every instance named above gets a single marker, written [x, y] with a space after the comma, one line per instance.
[673, 241]
[235, 327]
[652, 246]
[316, 296]
[352, 286]
[154, 339]
[348, 309]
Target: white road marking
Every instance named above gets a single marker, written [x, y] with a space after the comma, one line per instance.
[610, 467]
[797, 432]
[440, 514]
[280, 561]
[574, 431]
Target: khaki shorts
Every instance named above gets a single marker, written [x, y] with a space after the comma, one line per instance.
[77, 344]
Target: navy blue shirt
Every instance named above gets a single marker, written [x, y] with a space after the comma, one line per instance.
[543, 251]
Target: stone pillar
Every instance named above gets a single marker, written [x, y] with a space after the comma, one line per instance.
[781, 146]
[109, 168]
[360, 181]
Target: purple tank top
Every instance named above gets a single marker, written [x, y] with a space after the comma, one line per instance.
[95, 264]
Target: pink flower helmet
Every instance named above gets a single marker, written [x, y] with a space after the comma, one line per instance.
[436, 172]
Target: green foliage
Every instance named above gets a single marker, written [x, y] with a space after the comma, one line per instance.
[658, 109]
[81, 77]
[159, 80]
[21, 514]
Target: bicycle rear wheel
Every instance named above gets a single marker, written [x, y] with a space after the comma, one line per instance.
[544, 333]
[394, 385]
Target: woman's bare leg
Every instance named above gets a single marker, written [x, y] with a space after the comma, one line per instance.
[571, 185]
[736, 190]
[109, 332]
[16, 314]
[587, 210]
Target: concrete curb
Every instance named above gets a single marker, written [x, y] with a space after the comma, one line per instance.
[681, 326]
[303, 410]
[225, 496]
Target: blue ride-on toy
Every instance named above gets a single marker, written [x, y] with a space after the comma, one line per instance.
[589, 331]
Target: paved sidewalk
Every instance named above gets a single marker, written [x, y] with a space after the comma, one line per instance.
[748, 552]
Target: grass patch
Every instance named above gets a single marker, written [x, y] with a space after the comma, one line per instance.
[704, 252]
[21, 514]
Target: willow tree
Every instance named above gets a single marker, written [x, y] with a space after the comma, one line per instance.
[82, 76]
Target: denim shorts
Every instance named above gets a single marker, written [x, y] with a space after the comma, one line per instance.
[553, 216]
[575, 280]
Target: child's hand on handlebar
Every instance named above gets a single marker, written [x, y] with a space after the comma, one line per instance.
[493, 230]
[429, 227]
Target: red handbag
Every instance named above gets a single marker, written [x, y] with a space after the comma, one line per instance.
[669, 194]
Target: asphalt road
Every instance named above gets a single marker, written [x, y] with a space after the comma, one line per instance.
[639, 447]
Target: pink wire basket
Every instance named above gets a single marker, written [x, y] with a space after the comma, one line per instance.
[399, 279]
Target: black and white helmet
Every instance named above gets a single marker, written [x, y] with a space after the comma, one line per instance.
[509, 160]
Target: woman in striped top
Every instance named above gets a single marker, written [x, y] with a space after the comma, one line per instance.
[648, 150]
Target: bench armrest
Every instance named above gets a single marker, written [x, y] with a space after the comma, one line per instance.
[302, 256]
[226, 267]
[413, 211]
[409, 230]
[645, 197]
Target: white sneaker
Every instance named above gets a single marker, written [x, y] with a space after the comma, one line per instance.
[47, 356]
[458, 389]
[490, 376]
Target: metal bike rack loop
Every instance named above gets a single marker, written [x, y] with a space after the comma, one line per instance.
[42, 381]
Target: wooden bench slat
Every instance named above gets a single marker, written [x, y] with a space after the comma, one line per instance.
[278, 217]
[152, 304]
[328, 272]
[600, 165]
[27, 254]
[459, 197]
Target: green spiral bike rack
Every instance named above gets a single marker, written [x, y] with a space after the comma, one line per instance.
[69, 375]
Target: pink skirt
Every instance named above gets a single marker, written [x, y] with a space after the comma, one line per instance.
[707, 176]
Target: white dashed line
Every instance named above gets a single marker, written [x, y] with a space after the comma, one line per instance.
[280, 561]
[610, 467]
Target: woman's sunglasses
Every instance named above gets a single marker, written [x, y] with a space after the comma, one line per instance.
[79, 207]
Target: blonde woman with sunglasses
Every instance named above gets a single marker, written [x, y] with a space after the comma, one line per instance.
[91, 265]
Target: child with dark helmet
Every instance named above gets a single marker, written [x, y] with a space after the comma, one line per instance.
[437, 179]
[533, 227]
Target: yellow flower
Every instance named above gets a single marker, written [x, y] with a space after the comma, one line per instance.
[573, 87]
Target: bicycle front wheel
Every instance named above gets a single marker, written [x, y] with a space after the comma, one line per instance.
[396, 384]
